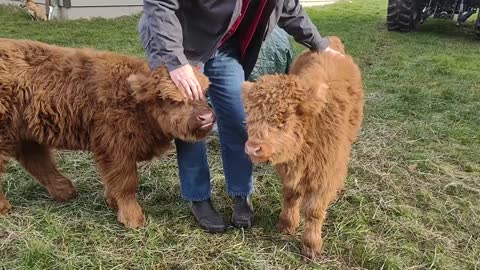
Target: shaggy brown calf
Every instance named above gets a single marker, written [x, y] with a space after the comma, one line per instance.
[81, 99]
[305, 123]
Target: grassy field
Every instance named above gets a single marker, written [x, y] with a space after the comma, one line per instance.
[413, 191]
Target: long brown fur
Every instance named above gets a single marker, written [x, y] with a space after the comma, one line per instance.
[305, 123]
[82, 99]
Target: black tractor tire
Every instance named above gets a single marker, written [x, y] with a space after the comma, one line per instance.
[402, 15]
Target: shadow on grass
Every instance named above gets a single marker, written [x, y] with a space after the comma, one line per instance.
[447, 29]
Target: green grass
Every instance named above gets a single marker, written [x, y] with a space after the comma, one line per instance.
[413, 191]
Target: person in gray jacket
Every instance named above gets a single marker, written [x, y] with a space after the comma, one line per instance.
[222, 38]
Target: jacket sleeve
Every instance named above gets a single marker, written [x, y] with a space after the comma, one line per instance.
[296, 22]
[161, 34]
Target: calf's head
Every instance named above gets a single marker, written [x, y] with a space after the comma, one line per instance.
[279, 108]
[175, 115]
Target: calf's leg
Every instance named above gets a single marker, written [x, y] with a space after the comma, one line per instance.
[4, 204]
[315, 203]
[37, 160]
[290, 215]
[322, 187]
[120, 179]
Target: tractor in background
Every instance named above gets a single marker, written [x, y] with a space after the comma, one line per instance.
[404, 15]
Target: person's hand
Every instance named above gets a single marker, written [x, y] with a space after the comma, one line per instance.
[332, 51]
[185, 80]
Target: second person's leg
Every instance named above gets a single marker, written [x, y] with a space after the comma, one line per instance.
[227, 76]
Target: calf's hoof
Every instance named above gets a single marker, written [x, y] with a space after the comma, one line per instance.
[132, 220]
[312, 252]
[5, 207]
[64, 192]
[286, 227]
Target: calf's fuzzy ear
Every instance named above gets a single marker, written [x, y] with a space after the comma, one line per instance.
[315, 100]
[140, 86]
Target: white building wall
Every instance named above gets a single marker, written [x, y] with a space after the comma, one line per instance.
[76, 9]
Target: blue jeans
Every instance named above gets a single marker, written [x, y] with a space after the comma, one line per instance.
[226, 76]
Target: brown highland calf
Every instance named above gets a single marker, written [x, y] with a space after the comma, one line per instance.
[305, 123]
[82, 99]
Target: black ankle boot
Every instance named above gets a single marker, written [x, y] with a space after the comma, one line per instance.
[242, 212]
[207, 217]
